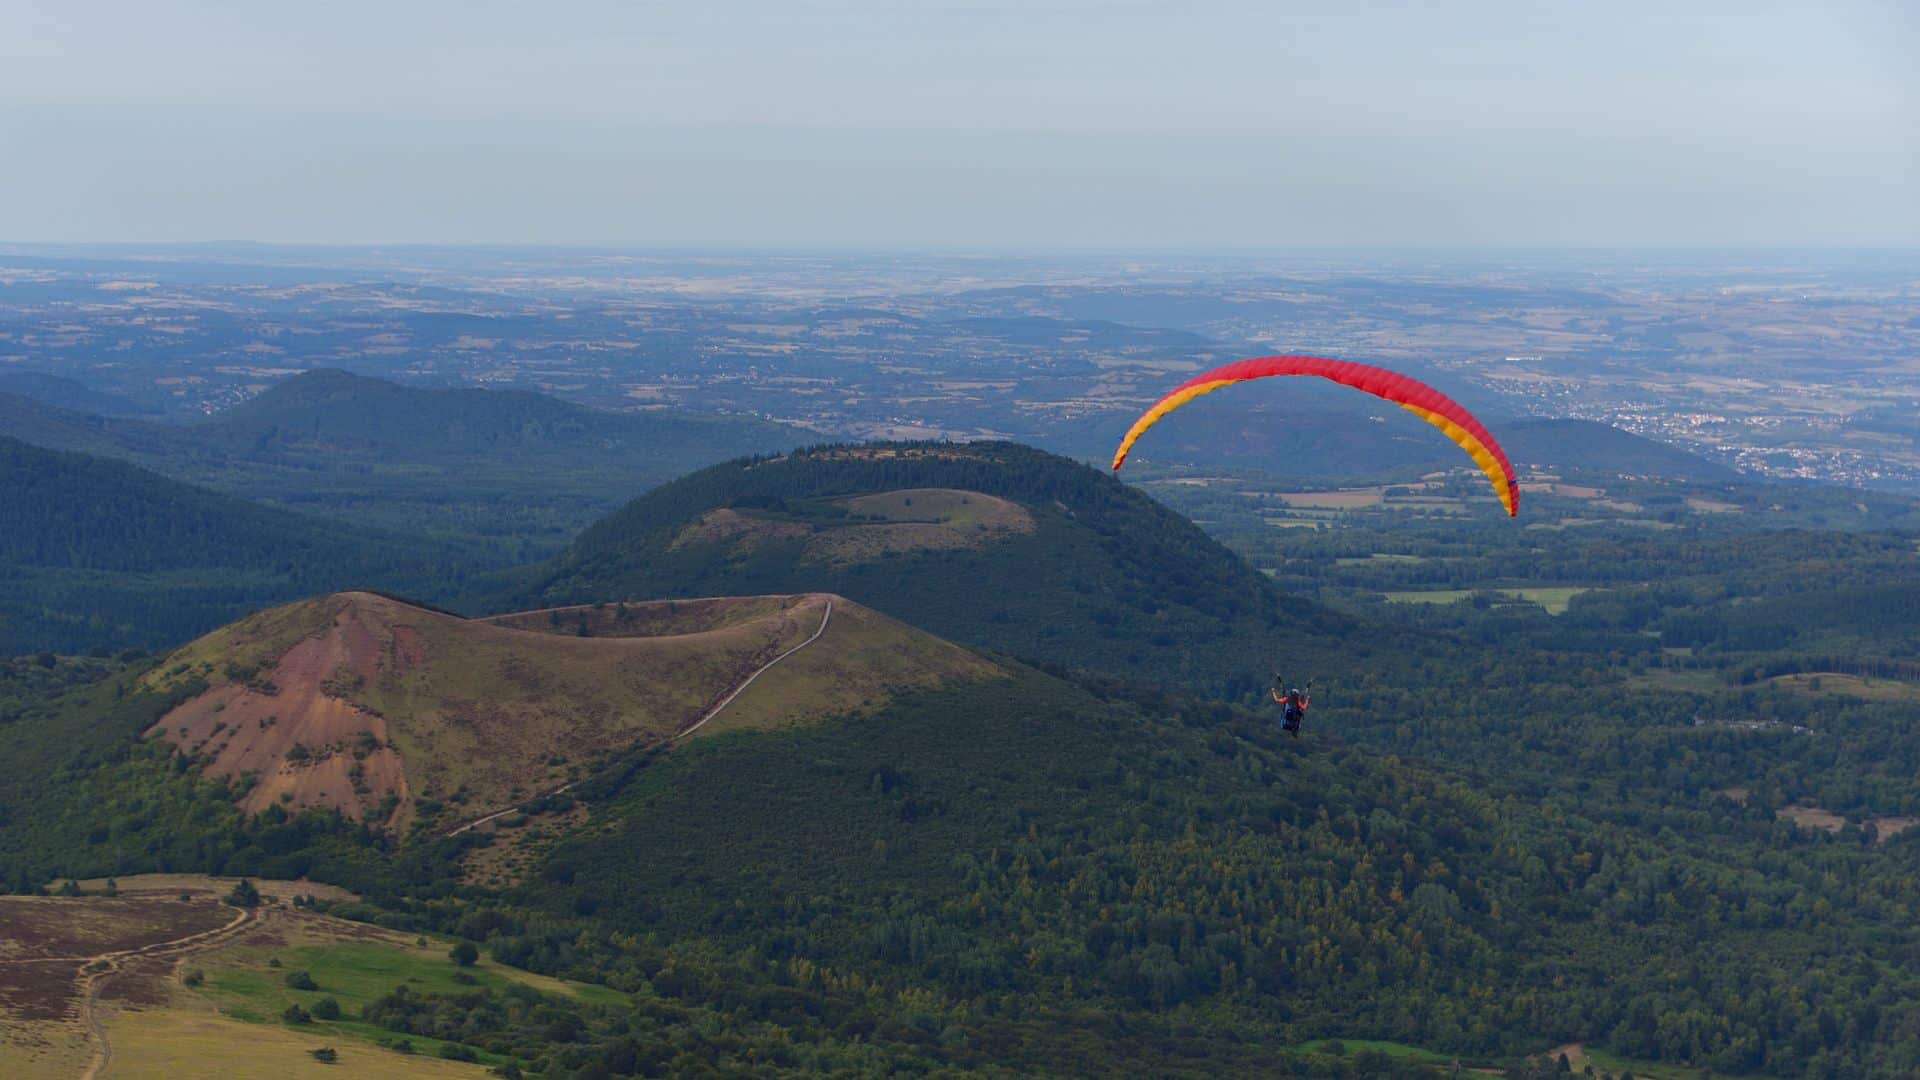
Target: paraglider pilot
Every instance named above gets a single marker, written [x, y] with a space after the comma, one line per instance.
[1293, 706]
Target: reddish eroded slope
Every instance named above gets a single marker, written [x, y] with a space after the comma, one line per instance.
[291, 725]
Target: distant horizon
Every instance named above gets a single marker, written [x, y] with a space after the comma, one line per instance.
[1123, 125]
[10, 245]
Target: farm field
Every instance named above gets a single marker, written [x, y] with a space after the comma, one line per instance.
[1554, 598]
[1867, 689]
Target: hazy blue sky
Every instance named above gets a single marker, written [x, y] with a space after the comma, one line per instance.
[887, 123]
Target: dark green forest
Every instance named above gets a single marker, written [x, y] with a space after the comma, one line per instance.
[99, 554]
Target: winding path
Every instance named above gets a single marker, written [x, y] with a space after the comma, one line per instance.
[825, 619]
[728, 700]
[93, 978]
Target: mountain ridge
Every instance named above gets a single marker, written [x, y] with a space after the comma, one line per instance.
[386, 712]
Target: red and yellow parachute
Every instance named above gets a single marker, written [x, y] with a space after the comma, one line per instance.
[1412, 395]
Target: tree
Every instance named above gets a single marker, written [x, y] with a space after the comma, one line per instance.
[326, 1009]
[244, 895]
[296, 1015]
[326, 1055]
[464, 954]
[300, 980]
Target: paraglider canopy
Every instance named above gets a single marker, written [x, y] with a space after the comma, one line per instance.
[1410, 394]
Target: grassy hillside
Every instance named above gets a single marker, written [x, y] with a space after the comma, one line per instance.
[97, 553]
[398, 715]
[991, 544]
[518, 471]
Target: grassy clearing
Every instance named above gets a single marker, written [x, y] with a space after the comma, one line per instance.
[357, 970]
[1684, 680]
[945, 506]
[206, 885]
[1349, 1047]
[1819, 817]
[354, 965]
[1334, 500]
[1428, 596]
[1827, 682]
[1554, 598]
[1380, 557]
[167, 1043]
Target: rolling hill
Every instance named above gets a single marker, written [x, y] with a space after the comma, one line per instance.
[391, 713]
[990, 544]
[70, 394]
[513, 472]
[99, 553]
[330, 411]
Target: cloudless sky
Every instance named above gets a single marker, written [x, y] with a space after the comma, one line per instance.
[897, 123]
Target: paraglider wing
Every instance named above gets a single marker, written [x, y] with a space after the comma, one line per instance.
[1412, 395]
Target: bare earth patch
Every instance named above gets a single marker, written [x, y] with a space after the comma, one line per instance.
[1817, 817]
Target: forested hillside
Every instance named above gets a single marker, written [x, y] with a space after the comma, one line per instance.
[1082, 571]
[101, 554]
[511, 474]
